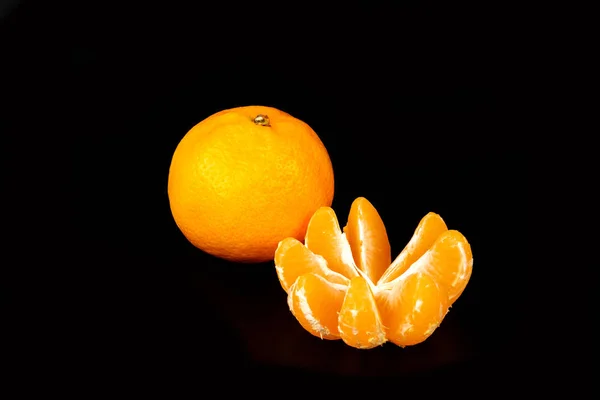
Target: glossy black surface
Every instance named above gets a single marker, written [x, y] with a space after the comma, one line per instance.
[413, 121]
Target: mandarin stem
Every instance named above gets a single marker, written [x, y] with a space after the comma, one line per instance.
[262, 120]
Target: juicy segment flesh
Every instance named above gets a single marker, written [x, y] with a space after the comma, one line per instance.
[368, 239]
[428, 230]
[413, 308]
[359, 322]
[314, 301]
[299, 260]
[325, 238]
[343, 285]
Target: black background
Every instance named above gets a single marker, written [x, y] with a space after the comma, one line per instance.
[409, 102]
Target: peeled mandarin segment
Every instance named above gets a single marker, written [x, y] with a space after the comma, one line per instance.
[315, 302]
[413, 308]
[324, 237]
[428, 230]
[368, 239]
[359, 322]
[450, 262]
[293, 259]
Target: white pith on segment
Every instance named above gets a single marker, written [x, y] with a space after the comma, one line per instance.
[374, 338]
[465, 265]
[315, 324]
[323, 270]
[349, 258]
[305, 309]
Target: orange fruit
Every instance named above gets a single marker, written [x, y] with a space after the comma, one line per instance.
[325, 238]
[428, 230]
[359, 322]
[368, 239]
[243, 179]
[343, 284]
[305, 302]
[299, 260]
[413, 308]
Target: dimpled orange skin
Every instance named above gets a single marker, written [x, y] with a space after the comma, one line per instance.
[237, 187]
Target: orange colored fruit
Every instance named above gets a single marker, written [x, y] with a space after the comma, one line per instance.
[324, 237]
[359, 322]
[413, 308]
[368, 239]
[245, 178]
[343, 285]
[306, 303]
[299, 260]
[428, 230]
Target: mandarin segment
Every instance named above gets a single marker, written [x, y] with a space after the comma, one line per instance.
[449, 262]
[413, 308]
[359, 324]
[429, 229]
[293, 259]
[324, 237]
[368, 239]
[315, 303]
